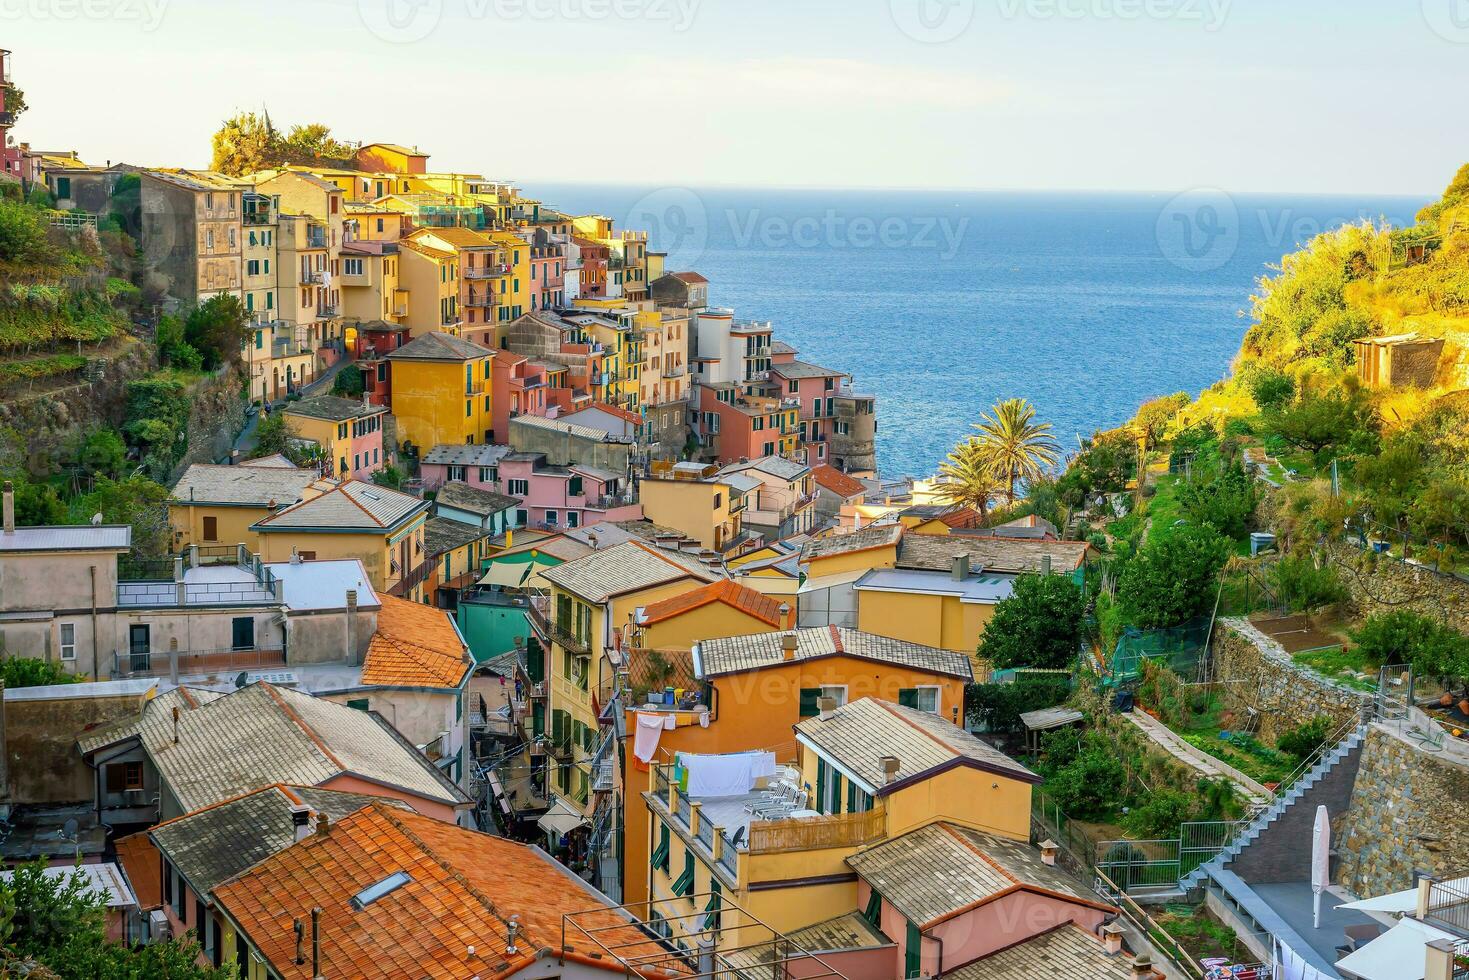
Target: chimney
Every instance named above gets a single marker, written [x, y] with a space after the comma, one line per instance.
[788, 643]
[323, 825]
[9, 508]
[889, 766]
[1112, 938]
[300, 930]
[785, 615]
[1048, 851]
[959, 567]
[295, 556]
[1142, 967]
[352, 626]
[828, 706]
[512, 933]
[175, 725]
[1045, 564]
[316, 942]
[301, 821]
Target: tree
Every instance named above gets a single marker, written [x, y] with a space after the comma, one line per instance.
[1087, 780]
[1154, 417]
[25, 246]
[217, 329]
[1016, 445]
[1224, 500]
[59, 921]
[1402, 636]
[15, 101]
[349, 382]
[389, 476]
[245, 143]
[101, 452]
[31, 672]
[137, 501]
[36, 503]
[173, 350]
[1315, 422]
[1039, 625]
[313, 143]
[1172, 578]
[971, 479]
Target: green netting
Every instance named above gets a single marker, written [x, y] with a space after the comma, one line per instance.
[1179, 647]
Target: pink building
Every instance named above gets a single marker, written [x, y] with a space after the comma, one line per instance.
[349, 432]
[476, 465]
[547, 277]
[520, 388]
[815, 388]
[566, 496]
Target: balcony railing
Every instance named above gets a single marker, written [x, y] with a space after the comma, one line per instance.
[816, 833]
[328, 310]
[480, 300]
[568, 640]
[477, 387]
[312, 277]
[183, 663]
[258, 217]
[413, 580]
[316, 239]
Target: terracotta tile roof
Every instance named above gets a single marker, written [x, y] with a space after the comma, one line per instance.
[462, 888]
[942, 870]
[620, 413]
[732, 594]
[693, 278]
[962, 517]
[140, 862]
[414, 646]
[836, 481]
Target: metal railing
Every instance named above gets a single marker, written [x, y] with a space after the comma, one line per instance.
[176, 663]
[412, 580]
[312, 277]
[1448, 902]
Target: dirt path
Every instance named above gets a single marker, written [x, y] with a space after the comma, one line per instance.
[1201, 761]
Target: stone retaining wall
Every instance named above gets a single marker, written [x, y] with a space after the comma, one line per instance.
[1379, 583]
[1406, 815]
[1254, 671]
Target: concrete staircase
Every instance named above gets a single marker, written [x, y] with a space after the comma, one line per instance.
[1273, 811]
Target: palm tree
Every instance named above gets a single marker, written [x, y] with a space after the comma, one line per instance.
[971, 481]
[1017, 446]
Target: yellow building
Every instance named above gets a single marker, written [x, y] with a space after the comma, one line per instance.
[431, 277]
[485, 274]
[513, 284]
[349, 432]
[378, 526]
[441, 391]
[592, 599]
[369, 282]
[870, 770]
[369, 223]
[689, 498]
[623, 330]
[311, 234]
[192, 231]
[217, 505]
[717, 610]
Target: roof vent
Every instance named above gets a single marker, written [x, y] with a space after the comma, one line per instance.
[301, 821]
[382, 889]
[789, 641]
[889, 765]
[827, 707]
[959, 567]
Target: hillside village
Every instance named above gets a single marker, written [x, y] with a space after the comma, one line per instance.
[625, 660]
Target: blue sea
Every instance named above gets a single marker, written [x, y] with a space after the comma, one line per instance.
[942, 303]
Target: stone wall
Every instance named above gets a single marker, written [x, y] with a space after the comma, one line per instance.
[1406, 815]
[1379, 583]
[1255, 672]
[216, 417]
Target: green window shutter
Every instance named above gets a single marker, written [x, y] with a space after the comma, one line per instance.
[873, 912]
[851, 797]
[913, 952]
[821, 785]
[836, 791]
[908, 697]
[361, 704]
[711, 921]
[660, 853]
[810, 696]
[685, 883]
[538, 719]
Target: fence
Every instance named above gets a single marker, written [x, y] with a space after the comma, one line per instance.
[1181, 648]
[844, 830]
[1146, 924]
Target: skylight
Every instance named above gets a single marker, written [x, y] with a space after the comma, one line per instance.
[372, 893]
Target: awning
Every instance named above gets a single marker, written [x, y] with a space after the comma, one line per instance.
[1401, 902]
[821, 582]
[561, 819]
[511, 575]
[1395, 955]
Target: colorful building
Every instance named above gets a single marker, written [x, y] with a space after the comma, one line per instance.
[430, 276]
[192, 223]
[781, 503]
[441, 391]
[213, 505]
[566, 496]
[693, 500]
[350, 434]
[733, 424]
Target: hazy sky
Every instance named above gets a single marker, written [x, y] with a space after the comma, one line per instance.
[1159, 95]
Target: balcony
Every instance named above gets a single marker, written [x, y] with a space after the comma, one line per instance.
[194, 663]
[413, 580]
[477, 387]
[315, 238]
[7, 119]
[258, 216]
[480, 300]
[326, 311]
[563, 636]
[313, 277]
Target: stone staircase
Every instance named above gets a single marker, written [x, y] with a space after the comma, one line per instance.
[1273, 811]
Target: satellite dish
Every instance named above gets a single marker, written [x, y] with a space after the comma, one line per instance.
[96, 519]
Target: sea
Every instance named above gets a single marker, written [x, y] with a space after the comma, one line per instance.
[943, 303]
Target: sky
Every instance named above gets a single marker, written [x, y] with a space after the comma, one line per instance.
[1290, 96]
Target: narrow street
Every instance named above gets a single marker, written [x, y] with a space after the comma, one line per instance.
[245, 442]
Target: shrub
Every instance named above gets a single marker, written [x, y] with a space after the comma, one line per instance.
[1039, 625]
[1272, 388]
[1160, 814]
[1225, 501]
[1090, 783]
[1302, 740]
[217, 329]
[349, 382]
[1302, 583]
[30, 672]
[1401, 636]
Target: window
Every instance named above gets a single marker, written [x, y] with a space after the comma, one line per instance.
[63, 187]
[718, 500]
[68, 641]
[837, 692]
[660, 853]
[360, 704]
[810, 698]
[456, 474]
[211, 529]
[553, 518]
[923, 698]
[486, 474]
[124, 776]
[352, 267]
[518, 488]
